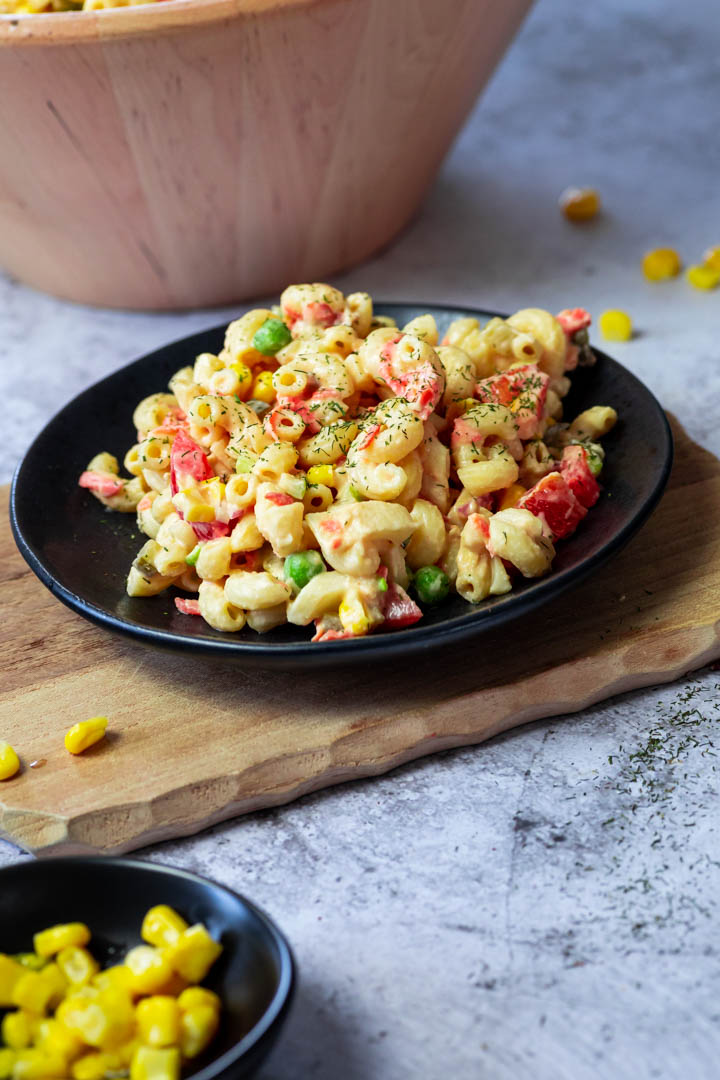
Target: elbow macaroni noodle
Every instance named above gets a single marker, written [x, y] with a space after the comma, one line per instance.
[324, 460]
[39, 7]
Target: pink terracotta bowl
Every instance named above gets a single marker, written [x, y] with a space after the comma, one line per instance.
[198, 152]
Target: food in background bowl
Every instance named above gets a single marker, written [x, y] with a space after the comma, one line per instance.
[142, 1017]
[326, 464]
[42, 7]
[252, 977]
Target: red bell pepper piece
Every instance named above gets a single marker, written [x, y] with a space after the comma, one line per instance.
[573, 319]
[188, 461]
[324, 633]
[101, 483]
[321, 314]
[187, 607]
[399, 610]
[524, 389]
[577, 475]
[211, 530]
[553, 500]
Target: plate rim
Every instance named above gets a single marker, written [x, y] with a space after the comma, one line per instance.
[386, 646]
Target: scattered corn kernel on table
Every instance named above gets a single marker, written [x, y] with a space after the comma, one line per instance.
[559, 883]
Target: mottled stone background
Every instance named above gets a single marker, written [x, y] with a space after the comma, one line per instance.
[543, 907]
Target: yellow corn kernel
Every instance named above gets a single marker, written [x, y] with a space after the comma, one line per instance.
[615, 325]
[56, 938]
[194, 953]
[511, 496]
[579, 204]
[37, 991]
[321, 474]
[55, 1039]
[117, 977]
[150, 969]
[213, 490]
[10, 974]
[711, 257]
[150, 1063]
[661, 263]
[7, 1060]
[35, 1064]
[87, 993]
[17, 1029]
[162, 926]
[245, 379]
[158, 1021]
[77, 964]
[703, 277]
[83, 735]
[198, 995]
[198, 1025]
[262, 388]
[353, 615]
[9, 761]
[96, 1065]
[105, 1021]
[192, 507]
[99, 1063]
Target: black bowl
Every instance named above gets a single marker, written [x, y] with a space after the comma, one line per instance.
[254, 976]
[83, 552]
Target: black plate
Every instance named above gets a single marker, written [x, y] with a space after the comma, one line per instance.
[254, 976]
[83, 552]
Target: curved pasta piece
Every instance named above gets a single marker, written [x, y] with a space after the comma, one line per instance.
[408, 367]
[217, 610]
[311, 307]
[255, 590]
[348, 534]
[519, 537]
[545, 329]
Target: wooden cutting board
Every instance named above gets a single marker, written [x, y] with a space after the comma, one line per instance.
[195, 741]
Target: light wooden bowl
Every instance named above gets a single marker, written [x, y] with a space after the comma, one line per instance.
[198, 152]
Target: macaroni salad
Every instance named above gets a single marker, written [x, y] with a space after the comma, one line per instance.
[328, 467]
[38, 7]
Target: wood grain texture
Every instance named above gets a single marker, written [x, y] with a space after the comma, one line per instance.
[198, 152]
[195, 741]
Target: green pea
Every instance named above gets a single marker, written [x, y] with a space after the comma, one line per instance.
[271, 337]
[194, 555]
[382, 584]
[302, 566]
[431, 584]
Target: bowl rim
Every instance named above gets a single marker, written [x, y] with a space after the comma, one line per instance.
[109, 24]
[283, 995]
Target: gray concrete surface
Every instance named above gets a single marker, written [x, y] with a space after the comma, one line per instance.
[543, 907]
